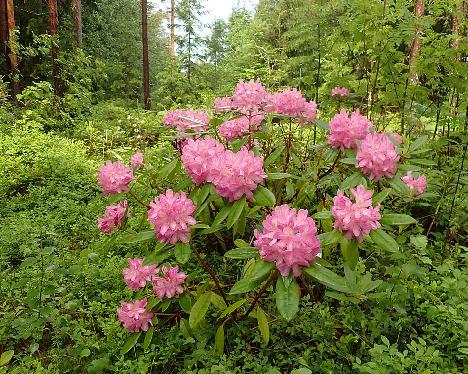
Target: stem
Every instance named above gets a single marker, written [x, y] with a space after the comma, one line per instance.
[137, 199]
[331, 168]
[269, 281]
[458, 183]
[210, 271]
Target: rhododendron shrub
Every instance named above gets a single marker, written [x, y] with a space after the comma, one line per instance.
[273, 187]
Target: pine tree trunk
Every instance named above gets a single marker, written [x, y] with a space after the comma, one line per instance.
[77, 22]
[53, 25]
[172, 37]
[3, 29]
[144, 31]
[416, 45]
[12, 47]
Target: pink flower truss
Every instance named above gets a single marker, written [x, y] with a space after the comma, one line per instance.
[377, 156]
[236, 128]
[134, 315]
[136, 275]
[198, 155]
[418, 184]
[187, 119]
[222, 105]
[114, 177]
[356, 219]
[289, 102]
[171, 215]
[289, 238]
[114, 218]
[397, 137]
[170, 284]
[309, 113]
[345, 130]
[137, 160]
[340, 91]
[250, 96]
[237, 174]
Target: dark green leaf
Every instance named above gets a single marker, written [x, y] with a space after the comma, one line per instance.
[349, 250]
[129, 238]
[273, 156]
[199, 309]
[397, 219]
[348, 161]
[219, 339]
[325, 214]
[241, 253]
[287, 298]
[264, 197]
[275, 176]
[263, 325]
[148, 338]
[130, 343]
[185, 302]
[327, 278]
[329, 238]
[352, 181]
[236, 211]
[232, 308]
[378, 198]
[182, 252]
[384, 241]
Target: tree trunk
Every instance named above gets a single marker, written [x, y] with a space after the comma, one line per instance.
[3, 29]
[172, 38]
[416, 45]
[189, 66]
[77, 22]
[144, 31]
[53, 25]
[11, 44]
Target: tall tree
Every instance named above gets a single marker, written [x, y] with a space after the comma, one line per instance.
[12, 47]
[216, 43]
[416, 45]
[3, 29]
[53, 25]
[172, 29]
[78, 24]
[144, 37]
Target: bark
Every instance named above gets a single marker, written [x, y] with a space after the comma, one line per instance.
[3, 29]
[172, 37]
[12, 47]
[78, 22]
[144, 31]
[53, 25]
[416, 45]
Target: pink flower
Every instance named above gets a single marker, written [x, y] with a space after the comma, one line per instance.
[419, 184]
[171, 215]
[356, 219]
[236, 174]
[377, 156]
[114, 218]
[222, 104]
[134, 315]
[170, 284]
[136, 275]
[345, 130]
[289, 238]
[137, 160]
[250, 96]
[397, 137]
[198, 155]
[114, 177]
[341, 91]
[309, 113]
[289, 102]
[187, 119]
[236, 128]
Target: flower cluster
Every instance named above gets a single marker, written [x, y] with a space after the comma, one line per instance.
[289, 239]
[250, 96]
[183, 120]
[340, 91]
[197, 156]
[170, 283]
[237, 174]
[115, 215]
[114, 177]
[136, 275]
[397, 137]
[377, 156]
[356, 219]
[134, 315]
[415, 184]
[171, 215]
[238, 127]
[222, 105]
[346, 129]
[137, 160]
[291, 103]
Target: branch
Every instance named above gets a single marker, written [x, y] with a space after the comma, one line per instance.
[320, 176]
[269, 281]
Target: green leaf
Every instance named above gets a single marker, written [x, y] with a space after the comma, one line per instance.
[182, 252]
[329, 238]
[168, 168]
[157, 254]
[129, 238]
[301, 371]
[322, 125]
[350, 252]
[398, 185]
[148, 338]
[260, 272]
[219, 339]
[264, 197]
[218, 301]
[185, 302]
[352, 181]
[241, 253]
[263, 325]
[6, 357]
[384, 241]
[199, 309]
[130, 343]
[324, 214]
[327, 278]
[348, 161]
[397, 219]
[287, 298]
[275, 176]
[419, 241]
[236, 211]
[221, 216]
[417, 143]
[423, 161]
[273, 156]
[231, 308]
[381, 196]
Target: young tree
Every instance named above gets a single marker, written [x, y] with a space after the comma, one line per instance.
[216, 43]
[144, 37]
[53, 24]
[416, 45]
[172, 49]
[78, 24]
